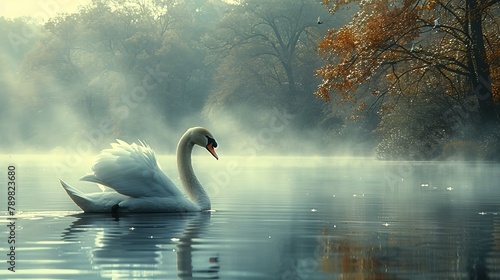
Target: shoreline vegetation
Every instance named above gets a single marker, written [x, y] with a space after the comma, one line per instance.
[423, 85]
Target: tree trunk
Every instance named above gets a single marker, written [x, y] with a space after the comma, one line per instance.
[481, 80]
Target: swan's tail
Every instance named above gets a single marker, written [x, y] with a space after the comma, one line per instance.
[77, 196]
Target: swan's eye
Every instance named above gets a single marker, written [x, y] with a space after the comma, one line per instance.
[211, 141]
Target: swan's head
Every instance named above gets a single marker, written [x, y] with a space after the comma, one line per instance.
[202, 137]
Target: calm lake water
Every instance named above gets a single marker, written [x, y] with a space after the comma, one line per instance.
[274, 218]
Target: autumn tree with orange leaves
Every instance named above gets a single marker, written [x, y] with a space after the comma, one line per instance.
[398, 47]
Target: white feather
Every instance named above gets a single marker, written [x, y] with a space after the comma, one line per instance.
[130, 177]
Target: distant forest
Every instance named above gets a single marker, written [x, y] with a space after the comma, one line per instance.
[392, 79]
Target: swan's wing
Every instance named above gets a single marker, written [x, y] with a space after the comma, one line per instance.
[132, 170]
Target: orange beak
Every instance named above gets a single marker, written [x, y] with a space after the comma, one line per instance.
[211, 149]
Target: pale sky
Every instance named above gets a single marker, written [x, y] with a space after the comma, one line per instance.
[39, 9]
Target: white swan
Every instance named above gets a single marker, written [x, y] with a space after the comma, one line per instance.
[137, 182]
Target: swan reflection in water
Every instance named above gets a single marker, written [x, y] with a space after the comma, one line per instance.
[138, 245]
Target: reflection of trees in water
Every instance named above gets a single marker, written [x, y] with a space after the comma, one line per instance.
[455, 245]
[356, 258]
[143, 245]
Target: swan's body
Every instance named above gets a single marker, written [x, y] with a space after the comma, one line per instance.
[135, 182]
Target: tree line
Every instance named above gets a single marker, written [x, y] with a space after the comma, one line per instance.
[433, 68]
[144, 69]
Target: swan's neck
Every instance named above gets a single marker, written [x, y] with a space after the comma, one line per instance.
[189, 181]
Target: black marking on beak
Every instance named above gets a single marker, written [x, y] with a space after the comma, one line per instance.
[211, 145]
[211, 141]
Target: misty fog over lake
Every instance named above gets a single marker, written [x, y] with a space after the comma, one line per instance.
[273, 218]
[345, 139]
